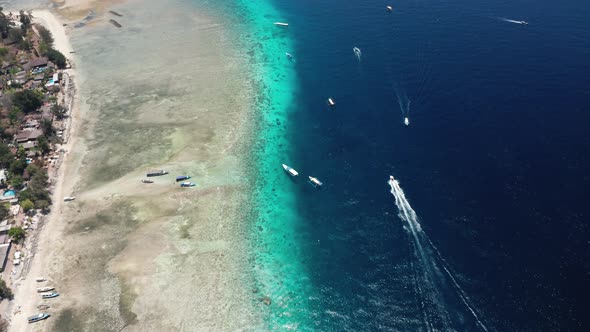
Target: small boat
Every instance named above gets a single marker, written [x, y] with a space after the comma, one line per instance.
[187, 184]
[182, 178]
[40, 279]
[38, 317]
[357, 51]
[45, 289]
[389, 8]
[524, 22]
[406, 121]
[331, 102]
[156, 173]
[391, 178]
[290, 170]
[315, 181]
[50, 295]
[289, 56]
[43, 306]
[281, 24]
[147, 181]
[69, 198]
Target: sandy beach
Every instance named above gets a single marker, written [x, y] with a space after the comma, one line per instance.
[123, 246]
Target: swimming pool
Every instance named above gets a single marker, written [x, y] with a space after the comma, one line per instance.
[9, 193]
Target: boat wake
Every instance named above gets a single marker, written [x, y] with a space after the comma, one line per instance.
[512, 21]
[357, 53]
[431, 284]
[404, 103]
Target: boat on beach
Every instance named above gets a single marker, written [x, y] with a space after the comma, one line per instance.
[281, 24]
[315, 182]
[187, 184]
[147, 181]
[182, 178]
[69, 198]
[290, 170]
[49, 295]
[156, 173]
[43, 306]
[40, 279]
[331, 102]
[38, 317]
[45, 289]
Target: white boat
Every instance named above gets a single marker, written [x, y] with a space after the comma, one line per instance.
[45, 289]
[40, 279]
[290, 170]
[524, 22]
[406, 121]
[389, 8]
[331, 102]
[281, 24]
[289, 56]
[357, 51]
[38, 317]
[315, 181]
[69, 198]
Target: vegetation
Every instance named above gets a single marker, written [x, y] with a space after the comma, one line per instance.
[25, 20]
[37, 189]
[17, 233]
[46, 35]
[56, 57]
[27, 100]
[5, 292]
[27, 205]
[3, 51]
[4, 210]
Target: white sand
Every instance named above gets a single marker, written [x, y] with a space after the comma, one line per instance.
[50, 21]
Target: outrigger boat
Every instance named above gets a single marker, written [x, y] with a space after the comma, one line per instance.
[187, 184]
[147, 181]
[45, 289]
[38, 317]
[290, 170]
[156, 173]
[50, 295]
[281, 24]
[315, 181]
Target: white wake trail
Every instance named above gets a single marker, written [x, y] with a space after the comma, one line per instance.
[407, 214]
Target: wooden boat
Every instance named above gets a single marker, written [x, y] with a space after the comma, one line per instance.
[290, 170]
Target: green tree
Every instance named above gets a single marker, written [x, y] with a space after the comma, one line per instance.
[56, 57]
[27, 205]
[42, 204]
[43, 145]
[5, 291]
[15, 35]
[4, 209]
[16, 181]
[5, 155]
[25, 21]
[47, 127]
[17, 233]
[27, 100]
[46, 35]
[17, 166]
[3, 51]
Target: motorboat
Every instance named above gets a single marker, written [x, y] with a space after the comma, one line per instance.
[290, 170]
[45, 289]
[389, 8]
[187, 184]
[147, 181]
[182, 178]
[38, 317]
[331, 102]
[281, 24]
[156, 173]
[524, 22]
[406, 121]
[69, 198]
[315, 181]
[289, 56]
[49, 295]
[40, 279]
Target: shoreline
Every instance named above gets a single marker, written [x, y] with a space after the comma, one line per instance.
[38, 245]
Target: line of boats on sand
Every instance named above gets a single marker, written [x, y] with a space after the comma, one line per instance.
[183, 184]
[292, 172]
[47, 292]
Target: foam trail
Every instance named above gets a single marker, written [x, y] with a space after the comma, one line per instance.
[509, 20]
[357, 53]
[404, 103]
[407, 214]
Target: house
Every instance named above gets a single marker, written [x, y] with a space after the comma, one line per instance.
[29, 145]
[28, 135]
[37, 63]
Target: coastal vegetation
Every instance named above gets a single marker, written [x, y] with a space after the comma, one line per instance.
[5, 291]
[17, 233]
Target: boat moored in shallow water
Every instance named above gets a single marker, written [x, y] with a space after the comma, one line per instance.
[187, 184]
[315, 182]
[281, 24]
[290, 170]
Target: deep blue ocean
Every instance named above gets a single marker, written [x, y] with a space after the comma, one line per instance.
[495, 162]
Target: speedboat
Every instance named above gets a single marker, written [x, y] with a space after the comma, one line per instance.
[289, 56]
[406, 121]
[524, 22]
[315, 181]
[356, 51]
[187, 184]
[182, 178]
[331, 102]
[45, 289]
[69, 199]
[38, 317]
[389, 8]
[156, 173]
[290, 170]
[391, 178]
[147, 181]
[50, 295]
[281, 24]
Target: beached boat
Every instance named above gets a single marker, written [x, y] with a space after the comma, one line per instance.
[389, 8]
[43, 306]
[156, 173]
[45, 289]
[38, 317]
[315, 182]
[50, 295]
[281, 24]
[290, 170]
[182, 178]
[331, 102]
[40, 279]
[187, 184]
[147, 181]
[69, 198]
